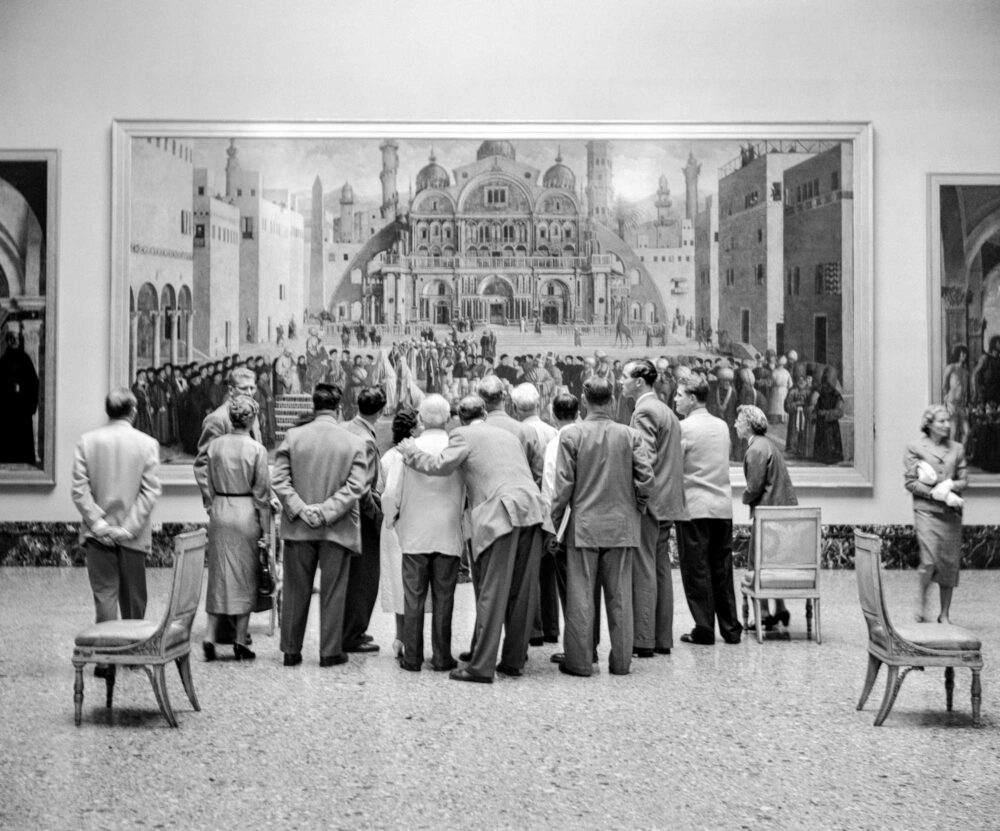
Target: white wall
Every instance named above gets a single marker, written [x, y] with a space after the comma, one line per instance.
[922, 71]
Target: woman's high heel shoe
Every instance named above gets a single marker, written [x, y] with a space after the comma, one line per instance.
[242, 653]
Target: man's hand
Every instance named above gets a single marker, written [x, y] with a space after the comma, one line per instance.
[407, 447]
[115, 535]
[312, 516]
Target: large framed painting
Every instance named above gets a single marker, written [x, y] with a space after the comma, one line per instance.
[28, 249]
[419, 256]
[964, 285]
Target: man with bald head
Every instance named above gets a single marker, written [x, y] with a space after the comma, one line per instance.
[505, 517]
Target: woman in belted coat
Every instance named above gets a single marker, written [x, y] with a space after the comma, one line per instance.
[934, 472]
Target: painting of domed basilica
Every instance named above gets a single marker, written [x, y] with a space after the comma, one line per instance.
[249, 240]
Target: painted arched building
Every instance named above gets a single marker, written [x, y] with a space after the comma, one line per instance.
[497, 240]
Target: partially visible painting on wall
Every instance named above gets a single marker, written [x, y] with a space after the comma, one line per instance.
[28, 193]
[964, 236]
[400, 253]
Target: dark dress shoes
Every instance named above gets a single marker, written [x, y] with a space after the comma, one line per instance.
[403, 664]
[465, 656]
[536, 641]
[566, 671]
[662, 650]
[643, 652]
[465, 675]
[509, 671]
[331, 660]
[558, 657]
[362, 647]
[293, 659]
[448, 667]
[242, 653]
[208, 648]
[104, 671]
[551, 639]
[366, 638]
[689, 637]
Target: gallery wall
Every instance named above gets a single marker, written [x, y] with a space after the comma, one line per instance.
[922, 71]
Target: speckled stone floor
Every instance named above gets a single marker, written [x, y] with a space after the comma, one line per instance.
[728, 737]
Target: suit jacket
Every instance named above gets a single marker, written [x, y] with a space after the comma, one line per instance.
[705, 441]
[948, 461]
[768, 482]
[527, 435]
[321, 463]
[605, 474]
[371, 502]
[498, 482]
[660, 430]
[115, 482]
[216, 423]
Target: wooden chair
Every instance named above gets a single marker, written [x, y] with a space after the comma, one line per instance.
[786, 562]
[912, 645]
[146, 643]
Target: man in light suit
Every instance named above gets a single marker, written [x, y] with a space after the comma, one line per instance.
[653, 588]
[320, 474]
[426, 512]
[705, 540]
[242, 381]
[505, 518]
[115, 487]
[362, 585]
[604, 477]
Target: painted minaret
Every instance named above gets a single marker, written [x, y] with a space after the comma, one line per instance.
[347, 213]
[314, 298]
[232, 168]
[663, 202]
[600, 187]
[390, 166]
[691, 171]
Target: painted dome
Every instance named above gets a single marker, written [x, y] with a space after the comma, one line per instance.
[347, 193]
[495, 148]
[559, 176]
[432, 175]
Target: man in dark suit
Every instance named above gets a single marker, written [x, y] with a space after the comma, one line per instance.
[491, 390]
[653, 588]
[505, 517]
[362, 586]
[115, 487]
[604, 476]
[320, 474]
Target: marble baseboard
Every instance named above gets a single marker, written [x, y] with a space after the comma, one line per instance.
[55, 544]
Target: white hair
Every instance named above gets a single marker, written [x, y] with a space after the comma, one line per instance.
[434, 410]
[525, 397]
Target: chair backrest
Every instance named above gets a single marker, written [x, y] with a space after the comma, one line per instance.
[868, 569]
[185, 590]
[787, 537]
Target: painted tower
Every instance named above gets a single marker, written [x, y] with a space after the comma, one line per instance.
[232, 169]
[600, 188]
[663, 202]
[691, 171]
[315, 290]
[347, 213]
[390, 165]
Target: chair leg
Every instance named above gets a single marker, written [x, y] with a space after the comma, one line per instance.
[892, 685]
[78, 695]
[809, 617]
[746, 613]
[819, 638]
[874, 665]
[157, 679]
[949, 686]
[977, 697]
[184, 667]
[109, 680]
[760, 625]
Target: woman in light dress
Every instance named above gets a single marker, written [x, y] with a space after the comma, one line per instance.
[404, 425]
[239, 519]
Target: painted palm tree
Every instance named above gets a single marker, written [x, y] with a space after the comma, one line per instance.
[626, 216]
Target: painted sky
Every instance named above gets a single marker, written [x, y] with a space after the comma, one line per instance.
[294, 163]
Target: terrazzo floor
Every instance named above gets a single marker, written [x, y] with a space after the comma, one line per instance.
[726, 737]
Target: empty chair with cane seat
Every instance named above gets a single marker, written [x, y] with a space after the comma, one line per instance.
[146, 643]
[786, 561]
[911, 645]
